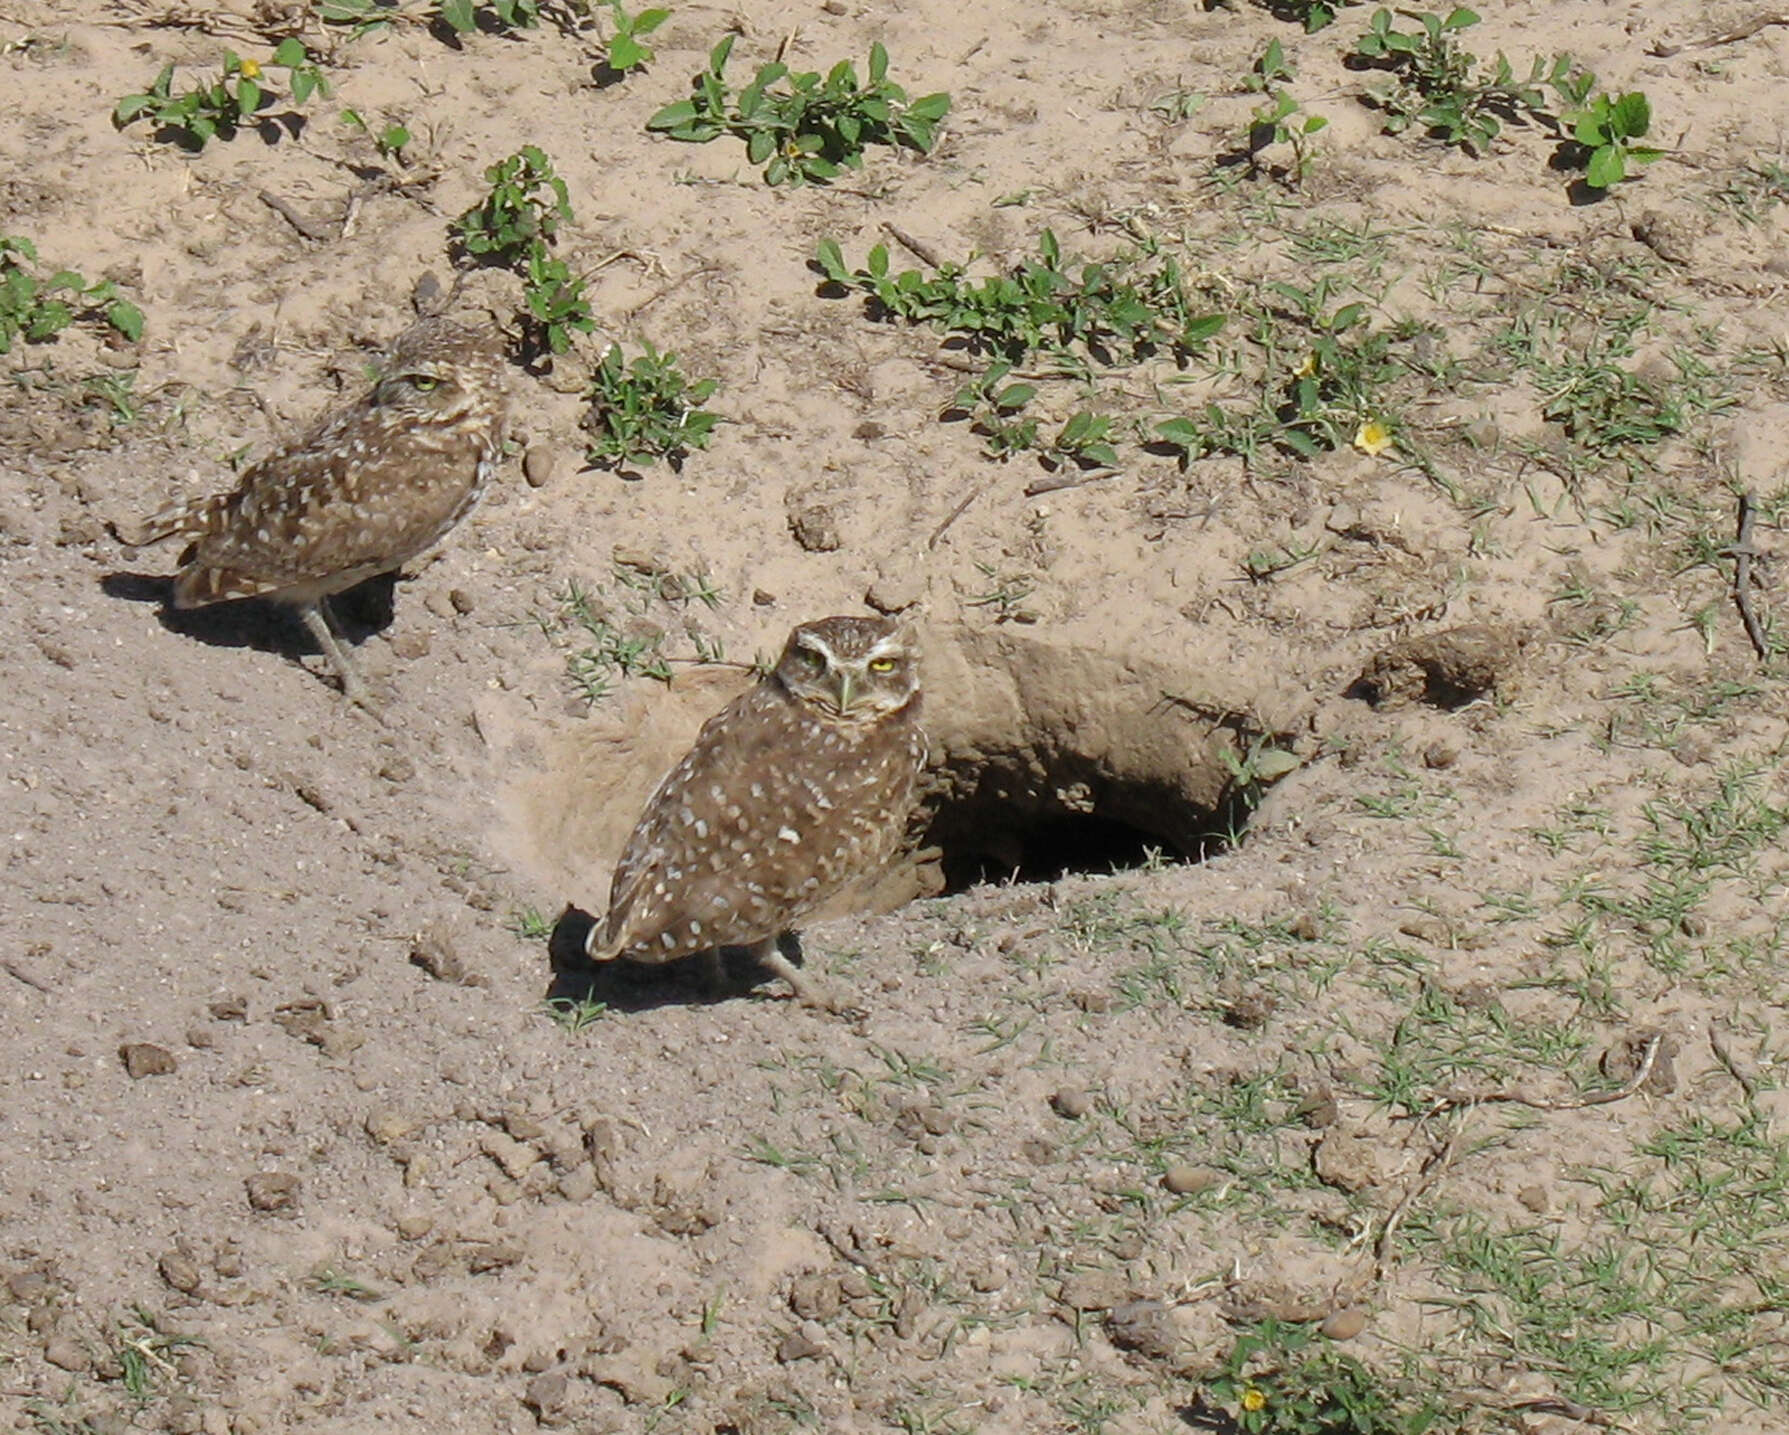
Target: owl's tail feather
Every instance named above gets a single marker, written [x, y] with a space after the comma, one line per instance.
[190, 516]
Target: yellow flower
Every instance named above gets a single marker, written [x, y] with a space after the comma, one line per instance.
[1374, 438]
[1253, 1399]
[251, 70]
[1308, 369]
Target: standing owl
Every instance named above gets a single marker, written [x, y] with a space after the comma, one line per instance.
[793, 791]
[373, 483]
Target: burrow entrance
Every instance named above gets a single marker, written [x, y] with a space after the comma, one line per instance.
[1052, 759]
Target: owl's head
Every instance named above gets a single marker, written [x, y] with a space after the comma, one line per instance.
[852, 669]
[440, 371]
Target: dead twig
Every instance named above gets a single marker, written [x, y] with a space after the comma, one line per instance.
[13, 969]
[1744, 32]
[304, 224]
[1742, 553]
[1718, 1045]
[955, 514]
[1642, 1074]
[1068, 478]
[918, 247]
[1432, 1171]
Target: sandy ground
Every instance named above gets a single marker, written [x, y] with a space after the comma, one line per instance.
[292, 1139]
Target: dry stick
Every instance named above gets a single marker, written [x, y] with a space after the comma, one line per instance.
[1718, 1045]
[1743, 553]
[15, 970]
[1432, 1171]
[1641, 1075]
[955, 514]
[1744, 32]
[1068, 479]
[309, 228]
[919, 247]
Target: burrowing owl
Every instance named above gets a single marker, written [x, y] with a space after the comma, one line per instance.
[371, 484]
[793, 791]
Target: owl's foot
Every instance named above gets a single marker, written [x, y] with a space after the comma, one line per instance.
[809, 991]
[316, 620]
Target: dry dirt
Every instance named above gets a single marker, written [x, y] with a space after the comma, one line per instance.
[292, 1139]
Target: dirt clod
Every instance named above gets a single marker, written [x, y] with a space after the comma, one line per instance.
[1146, 1328]
[274, 1192]
[1345, 1324]
[180, 1270]
[1071, 1103]
[1447, 669]
[144, 1058]
[1346, 1162]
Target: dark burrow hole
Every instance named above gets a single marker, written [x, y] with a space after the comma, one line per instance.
[985, 830]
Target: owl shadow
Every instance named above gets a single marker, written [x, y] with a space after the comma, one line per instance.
[627, 986]
[358, 613]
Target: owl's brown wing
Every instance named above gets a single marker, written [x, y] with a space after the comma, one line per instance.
[321, 517]
[702, 867]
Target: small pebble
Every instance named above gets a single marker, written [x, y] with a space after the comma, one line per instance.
[539, 465]
[1188, 1180]
[1070, 1104]
[1345, 1324]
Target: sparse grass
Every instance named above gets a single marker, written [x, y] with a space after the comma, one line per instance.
[576, 1015]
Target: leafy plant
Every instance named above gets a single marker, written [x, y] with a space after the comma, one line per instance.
[1283, 121]
[1314, 15]
[994, 407]
[1439, 84]
[36, 307]
[813, 126]
[389, 140]
[1607, 127]
[554, 302]
[462, 16]
[1277, 1380]
[525, 206]
[1107, 311]
[1084, 441]
[626, 48]
[219, 109]
[646, 409]
[1269, 69]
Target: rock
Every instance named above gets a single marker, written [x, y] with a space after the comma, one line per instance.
[1319, 1108]
[65, 1353]
[1345, 1162]
[515, 1157]
[484, 1256]
[231, 1008]
[987, 1277]
[437, 951]
[1189, 1180]
[1345, 1324]
[896, 590]
[546, 1395]
[180, 1270]
[143, 1058]
[411, 645]
[816, 528]
[274, 1192]
[815, 1297]
[808, 1342]
[1533, 1198]
[1094, 1290]
[1248, 1010]
[579, 1184]
[539, 465]
[463, 602]
[1440, 755]
[1071, 1104]
[625, 1373]
[386, 1126]
[1145, 1327]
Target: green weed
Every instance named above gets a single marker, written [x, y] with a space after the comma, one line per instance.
[626, 49]
[219, 109]
[645, 409]
[526, 205]
[1607, 129]
[36, 306]
[811, 128]
[1283, 1379]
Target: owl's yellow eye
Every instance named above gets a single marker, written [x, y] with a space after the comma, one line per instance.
[423, 384]
[882, 665]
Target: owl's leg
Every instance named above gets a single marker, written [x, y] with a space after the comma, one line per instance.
[316, 619]
[809, 991]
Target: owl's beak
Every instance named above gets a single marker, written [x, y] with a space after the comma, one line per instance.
[846, 691]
